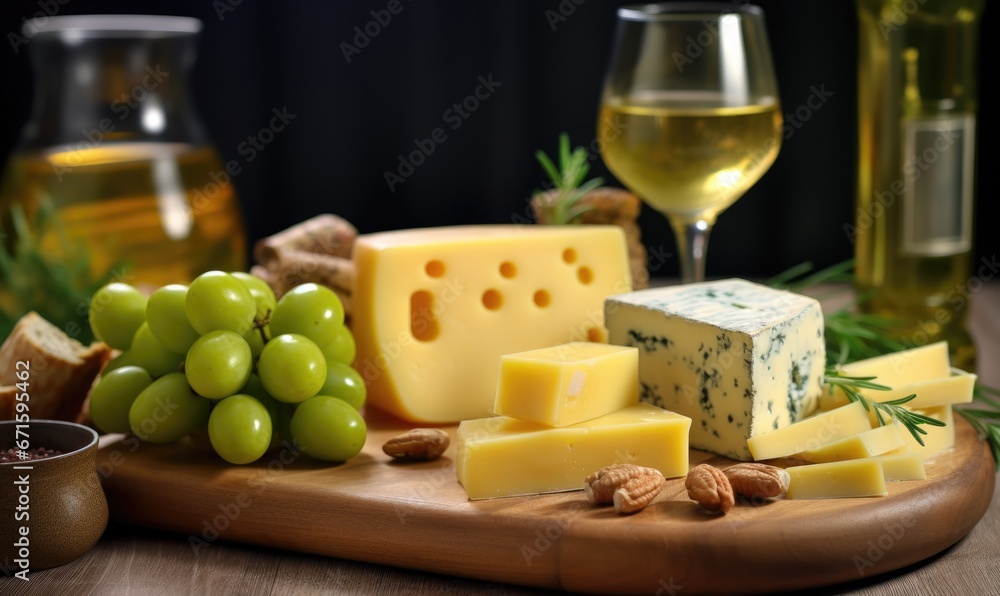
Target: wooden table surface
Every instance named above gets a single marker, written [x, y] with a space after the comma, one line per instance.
[131, 560]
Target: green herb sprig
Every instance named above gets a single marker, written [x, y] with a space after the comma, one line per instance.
[910, 420]
[562, 207]
[33, 279]
[852, 335]
[986, 420]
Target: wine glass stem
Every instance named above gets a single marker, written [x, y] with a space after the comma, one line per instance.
[692, 242]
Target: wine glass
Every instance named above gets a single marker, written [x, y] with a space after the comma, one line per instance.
[690, 116]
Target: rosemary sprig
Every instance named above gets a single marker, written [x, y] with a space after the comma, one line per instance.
[840, 272]
[851, 335]
[911, 420]
[31, 278]
[562, 207]
[854, 336]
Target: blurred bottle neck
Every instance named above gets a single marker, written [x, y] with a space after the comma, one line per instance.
[116, 88]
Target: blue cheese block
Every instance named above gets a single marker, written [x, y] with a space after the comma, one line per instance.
[740, 359]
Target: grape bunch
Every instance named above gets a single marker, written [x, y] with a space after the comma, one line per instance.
[222, 355]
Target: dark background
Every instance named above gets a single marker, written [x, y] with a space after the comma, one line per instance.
[354, 119]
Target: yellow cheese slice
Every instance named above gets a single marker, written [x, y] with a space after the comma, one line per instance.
[568, 383]
[851, 478]
[502, 456]
[434, 309]
[904, 367]
[811, 433]
[869, 443]
[903, 466]
[937, 439]
[956, 388]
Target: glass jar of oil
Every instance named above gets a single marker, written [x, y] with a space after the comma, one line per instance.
[115, 148]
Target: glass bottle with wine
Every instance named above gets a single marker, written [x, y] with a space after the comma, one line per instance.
[691, 86]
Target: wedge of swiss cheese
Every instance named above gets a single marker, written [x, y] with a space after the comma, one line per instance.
[435, 308]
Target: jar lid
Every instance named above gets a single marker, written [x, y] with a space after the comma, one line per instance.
[111, 25]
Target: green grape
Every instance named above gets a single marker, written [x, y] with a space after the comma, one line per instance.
[240, 429]
[281, 413]
[256, 342]
[123, 359]
[151, 355]
[342, 348]
[168, 320]
[310, 310]
[263, 295]
[291, 368]
[115, 314]
[254, 388]
[218, 364]
[218, 301]
[113, 395]
[328, 428]
[343, 382]
[282, 423]
[167, 410]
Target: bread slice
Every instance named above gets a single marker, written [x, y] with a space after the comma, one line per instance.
[60, 370]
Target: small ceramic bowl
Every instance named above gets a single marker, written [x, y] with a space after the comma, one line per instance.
[55, 511]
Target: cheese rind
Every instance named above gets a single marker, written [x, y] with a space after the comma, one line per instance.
[869, 443]
[434, 309]
[739, 358]
[568, 383]
[903, 466]
[811, 433]
[502, 456]
[834, 480]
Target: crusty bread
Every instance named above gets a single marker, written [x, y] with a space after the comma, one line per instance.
[61, 369]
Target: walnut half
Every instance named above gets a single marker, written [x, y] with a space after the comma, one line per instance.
[710, 488]
[756, 480]
[628, 486]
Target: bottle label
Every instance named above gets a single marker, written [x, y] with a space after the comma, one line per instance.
[938, 157]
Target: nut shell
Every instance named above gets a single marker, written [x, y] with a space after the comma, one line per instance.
[757, 480]
[710, 488]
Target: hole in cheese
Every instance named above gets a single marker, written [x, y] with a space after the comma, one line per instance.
[569, 255]
[423, 323]
[596, 335]
[434, 268]
[585, 275]
[508, 269]
[492, 299]
[542, 298]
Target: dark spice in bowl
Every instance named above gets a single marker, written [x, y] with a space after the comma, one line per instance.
[36, 453]
[52, 505]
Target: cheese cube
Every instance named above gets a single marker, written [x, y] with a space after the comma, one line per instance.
[503, 457]
[434, 309]
[811, 433]
[739, 358]
[566, 384]
[925, 363]
[869, 443]
[956, 388]
[937, 439]
[833, 480]
[903, 466]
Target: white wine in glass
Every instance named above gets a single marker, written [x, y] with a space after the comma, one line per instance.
[692, 94]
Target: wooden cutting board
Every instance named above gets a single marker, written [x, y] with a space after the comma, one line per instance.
[417, 516]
